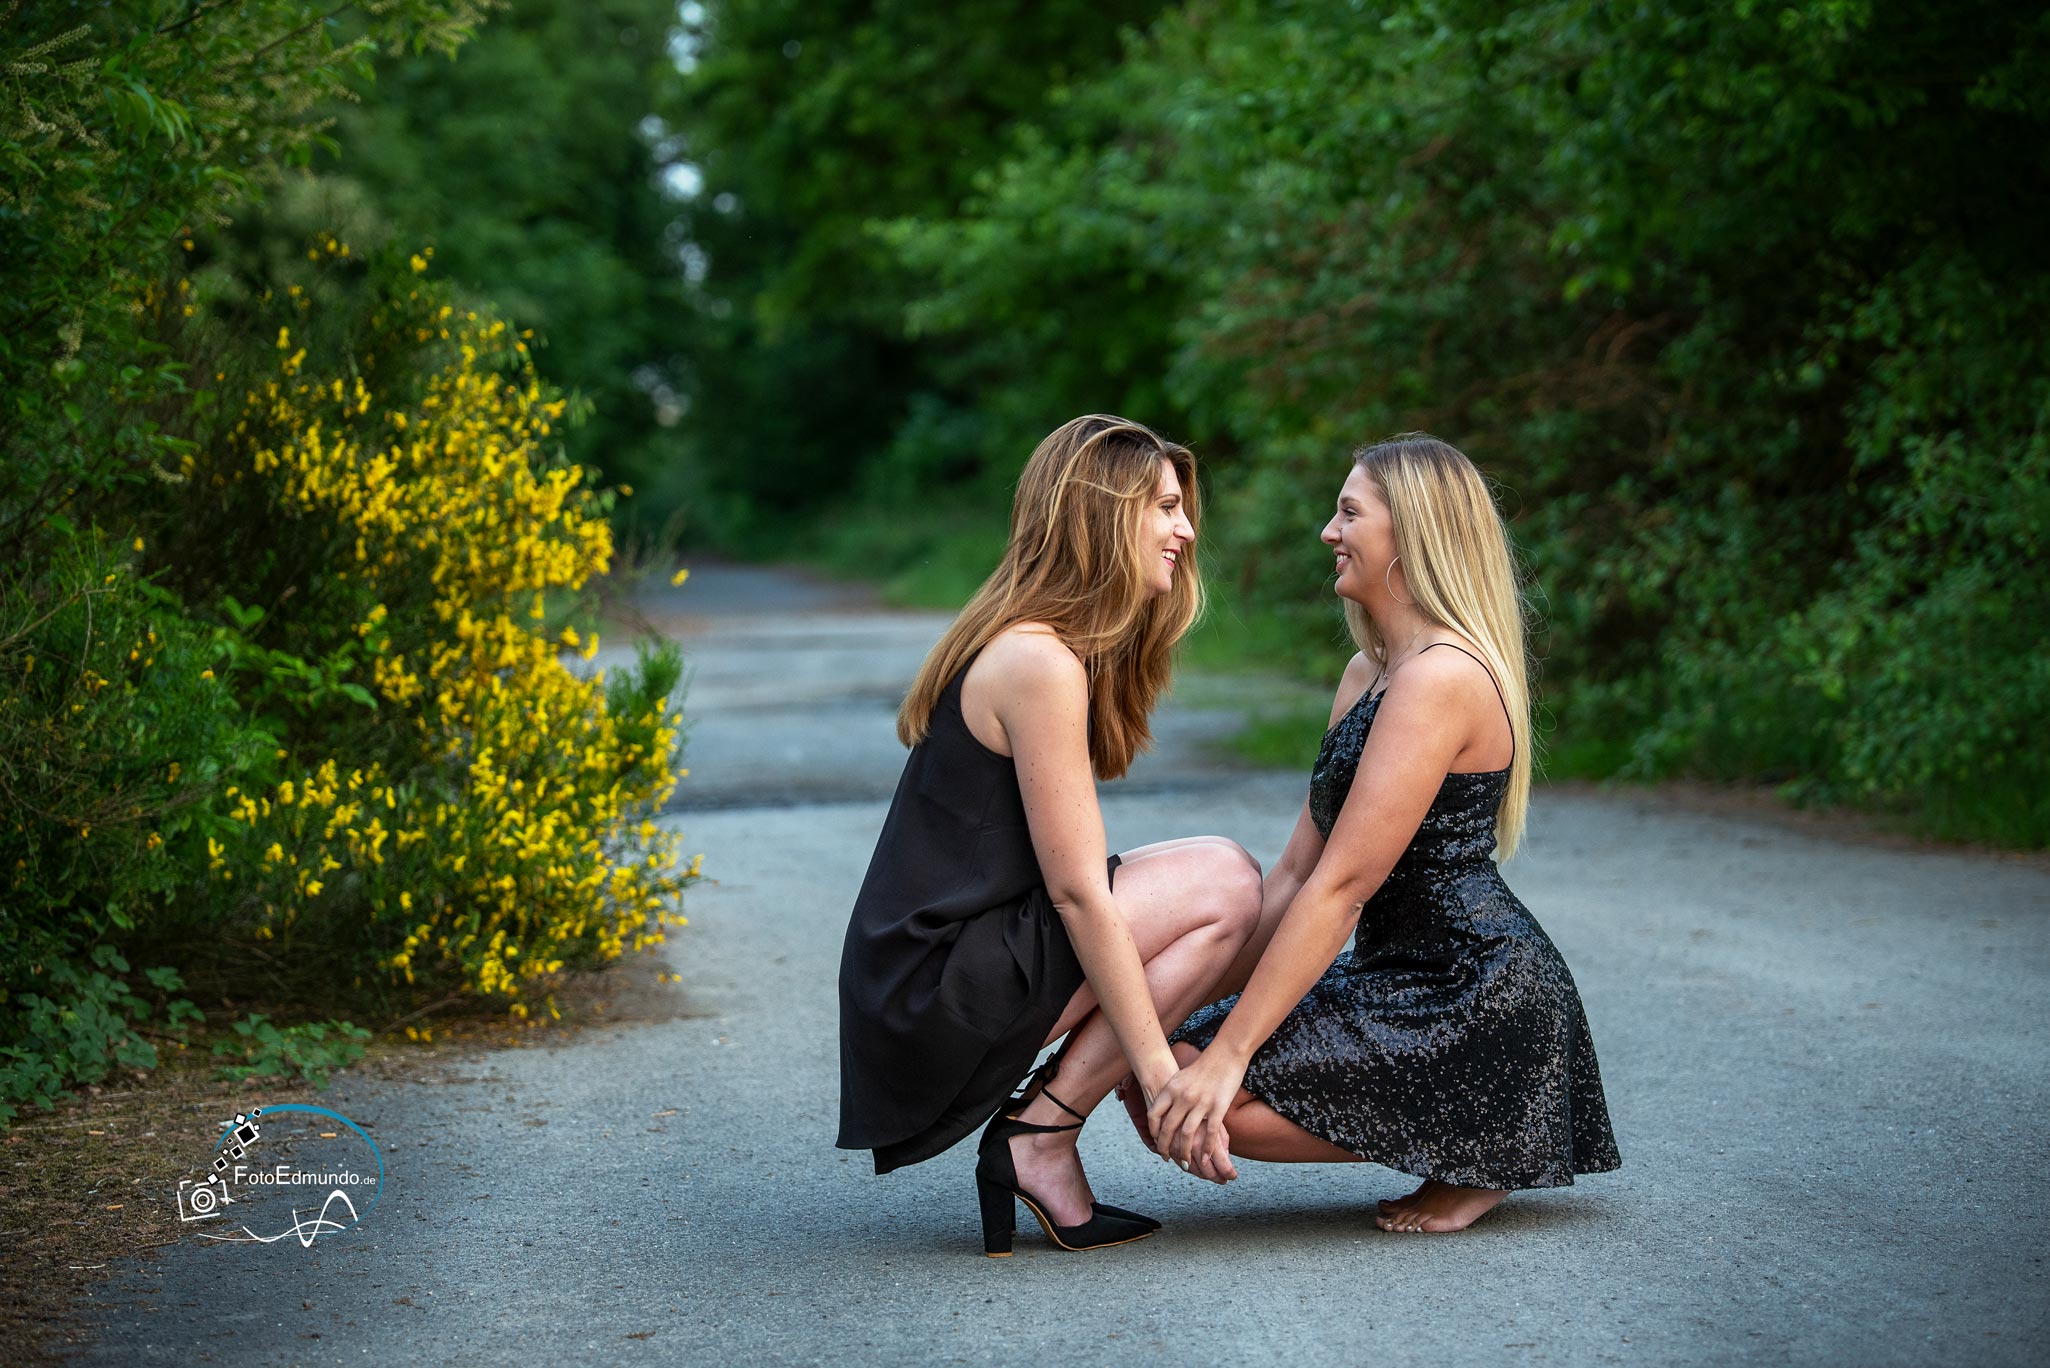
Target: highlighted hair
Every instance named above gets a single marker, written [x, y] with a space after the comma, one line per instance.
[1075, 563]
[1457, 564]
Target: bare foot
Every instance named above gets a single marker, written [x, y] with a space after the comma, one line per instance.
[1388, 1204]
[1436, 1208]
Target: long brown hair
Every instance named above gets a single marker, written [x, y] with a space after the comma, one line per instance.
[1074, 563]
[1457, 564]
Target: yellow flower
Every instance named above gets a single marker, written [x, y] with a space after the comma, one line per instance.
[418, 263]
[138, 543]
[457, 495]
[679, 577]
[206, 674]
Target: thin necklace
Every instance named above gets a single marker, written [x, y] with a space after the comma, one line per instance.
[1408, 650]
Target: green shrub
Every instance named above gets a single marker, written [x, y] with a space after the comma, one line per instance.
[310, 1051]
[78, 1023]
[117, 738]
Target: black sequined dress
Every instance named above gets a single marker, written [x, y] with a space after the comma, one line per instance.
[1448, 1041]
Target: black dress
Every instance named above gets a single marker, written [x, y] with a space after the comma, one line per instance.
[956, 964]
[1449, 1041]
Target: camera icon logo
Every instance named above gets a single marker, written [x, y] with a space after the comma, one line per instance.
[235, 1172]
[201, 1199]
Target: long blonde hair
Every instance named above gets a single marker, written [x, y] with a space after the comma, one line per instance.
[1456, 560]
[1074, 562]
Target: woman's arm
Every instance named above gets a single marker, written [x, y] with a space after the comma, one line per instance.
[1305, 846]
[1041, 702]
[1427, 718]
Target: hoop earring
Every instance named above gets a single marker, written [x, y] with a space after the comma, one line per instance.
[1407, 603]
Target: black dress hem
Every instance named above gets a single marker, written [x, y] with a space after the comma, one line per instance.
[1201, 1038]
[1010, 1056]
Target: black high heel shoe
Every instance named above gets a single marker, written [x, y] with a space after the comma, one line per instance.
[996, 1186]
[1020, 1099]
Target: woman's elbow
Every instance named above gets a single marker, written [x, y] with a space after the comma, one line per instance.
[1347, 892]
[1079, 907]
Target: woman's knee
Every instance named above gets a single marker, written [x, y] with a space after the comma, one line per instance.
[1206, 886]
[1232, 877]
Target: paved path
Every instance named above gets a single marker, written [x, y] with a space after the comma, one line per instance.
[1825, 1062]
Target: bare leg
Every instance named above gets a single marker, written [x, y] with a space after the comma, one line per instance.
[1190, 906]
[1259, 1132]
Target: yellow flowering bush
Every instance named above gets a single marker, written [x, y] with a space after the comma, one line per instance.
[492, 824]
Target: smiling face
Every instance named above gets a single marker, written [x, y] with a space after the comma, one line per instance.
[1165, 532]
[1361, 534]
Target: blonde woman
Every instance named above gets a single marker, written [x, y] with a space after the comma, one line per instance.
[992, 920]
[1448, 1041]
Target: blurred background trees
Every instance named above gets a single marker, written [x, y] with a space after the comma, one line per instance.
[806, 127]
[1739, 304]
[530, 165]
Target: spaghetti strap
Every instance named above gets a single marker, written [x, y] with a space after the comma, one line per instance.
[1491, 679]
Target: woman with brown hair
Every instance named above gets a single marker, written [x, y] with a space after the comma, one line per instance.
[1448, 1041]
[992, 920]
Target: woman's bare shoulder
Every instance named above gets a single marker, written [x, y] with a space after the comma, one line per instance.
[1359, 673]
[1458, 666]
[1448, 679]
[1030, 655]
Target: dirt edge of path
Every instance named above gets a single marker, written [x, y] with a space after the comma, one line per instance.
[90, 1182]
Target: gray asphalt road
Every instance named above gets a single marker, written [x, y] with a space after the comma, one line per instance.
[1825, 1061]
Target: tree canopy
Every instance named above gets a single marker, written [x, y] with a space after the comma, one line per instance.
[1739, 304]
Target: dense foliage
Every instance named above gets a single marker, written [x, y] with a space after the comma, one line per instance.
[1740, 304]
[480, 829]
[289, 549]
[806, 123]
[531, 166]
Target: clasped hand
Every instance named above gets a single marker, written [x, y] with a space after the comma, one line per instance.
[1186, 1115]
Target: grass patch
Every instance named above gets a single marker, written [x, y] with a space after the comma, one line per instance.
[1571, 756]
[922, 558]
[1286, 740]
[1304, 641]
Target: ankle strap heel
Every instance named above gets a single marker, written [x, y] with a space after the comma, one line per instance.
[996, 1181]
